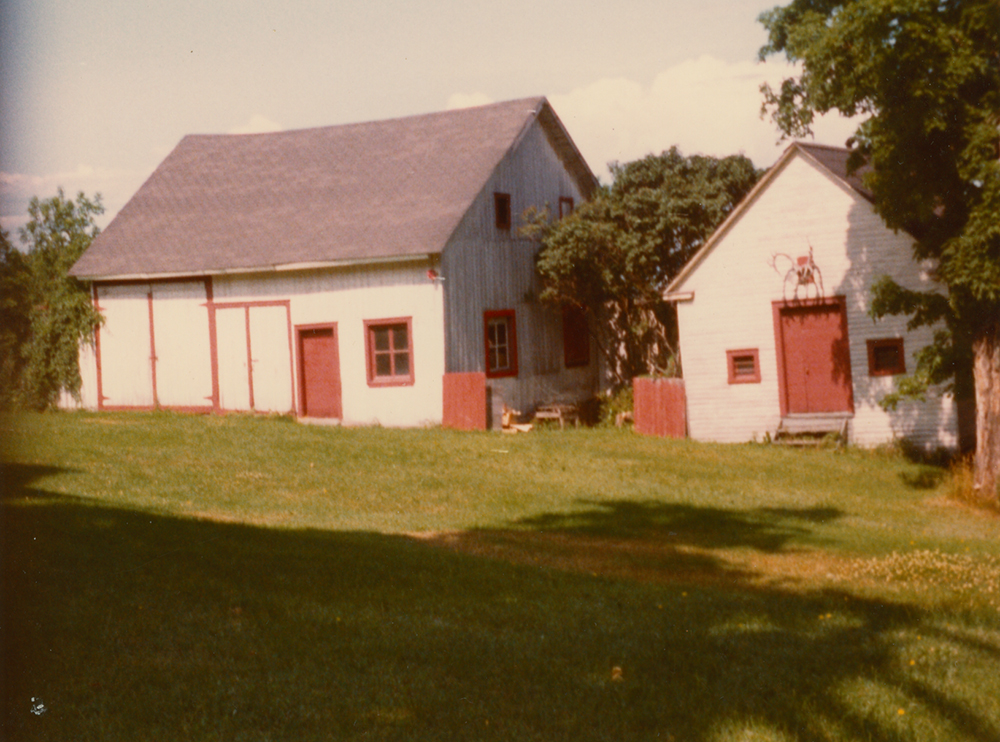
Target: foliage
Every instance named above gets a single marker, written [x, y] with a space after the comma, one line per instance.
[50, 312]
[614, 255]
[925, 77]
[615, 404]
[15, 318]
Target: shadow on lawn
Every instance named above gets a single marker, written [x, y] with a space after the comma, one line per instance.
[130, 625]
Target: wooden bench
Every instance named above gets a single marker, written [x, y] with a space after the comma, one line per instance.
[812, 430]
[562, 412]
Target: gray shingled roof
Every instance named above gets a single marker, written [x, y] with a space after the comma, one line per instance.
[835, 159]
[383, 189]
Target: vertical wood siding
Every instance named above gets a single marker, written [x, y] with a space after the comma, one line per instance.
[126, 346]
[733, 290]
[231, 342]
[487, 268]
[183, 351]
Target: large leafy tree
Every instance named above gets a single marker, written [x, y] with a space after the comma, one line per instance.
[15, 319]
[51, 312]
[924, 76]
[615, 254]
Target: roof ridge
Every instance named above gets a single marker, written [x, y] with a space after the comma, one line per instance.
[536, 101]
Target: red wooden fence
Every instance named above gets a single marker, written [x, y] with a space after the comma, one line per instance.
[465, 401]
[660, 407]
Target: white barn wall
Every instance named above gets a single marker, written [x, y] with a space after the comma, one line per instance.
[734, 287]
[183, 347]
[348, 297]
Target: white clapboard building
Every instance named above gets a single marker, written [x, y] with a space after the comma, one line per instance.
[774, 320]
[340, 272]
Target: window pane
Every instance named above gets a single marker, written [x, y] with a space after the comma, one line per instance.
[501, 359]
[744, 366]
[400, 341]
[383, 365]
[381, 338]
[886, 357]
[402, 364]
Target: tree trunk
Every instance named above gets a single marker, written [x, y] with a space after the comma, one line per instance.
[986, 373]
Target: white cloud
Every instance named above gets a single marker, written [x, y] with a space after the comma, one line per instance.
[17, 189]
[463, 100]
[257, 125]
[703, 105]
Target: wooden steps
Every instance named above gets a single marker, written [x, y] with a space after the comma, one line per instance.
[812, 430]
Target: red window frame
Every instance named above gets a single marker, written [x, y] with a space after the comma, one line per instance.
[876, 367]
[393, 354]
[501, 205]
[492, 345]
[735, 364]
[565, 206]
[576, 337]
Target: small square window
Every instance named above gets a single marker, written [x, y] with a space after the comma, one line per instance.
[743, 366]
[501, 204]
[500, 333]
[389, 351]
[565, 206]
[886, 357]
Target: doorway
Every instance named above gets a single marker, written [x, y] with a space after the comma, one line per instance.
[814, 357]
[319, 364]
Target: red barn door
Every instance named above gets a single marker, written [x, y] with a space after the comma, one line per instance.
[320, 369]
[814, 357]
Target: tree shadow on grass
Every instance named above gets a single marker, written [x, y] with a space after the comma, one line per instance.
[132, 625]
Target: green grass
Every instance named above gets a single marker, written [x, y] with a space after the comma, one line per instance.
[169, 577]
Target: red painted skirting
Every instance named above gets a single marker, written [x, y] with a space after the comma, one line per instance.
[464, 401]
[660, 407]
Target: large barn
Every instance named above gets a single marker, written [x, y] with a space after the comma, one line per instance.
[343, 273]
[773, 313]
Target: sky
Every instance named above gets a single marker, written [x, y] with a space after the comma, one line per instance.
[95, 93]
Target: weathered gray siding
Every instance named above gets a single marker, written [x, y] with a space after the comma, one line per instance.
[486, 268]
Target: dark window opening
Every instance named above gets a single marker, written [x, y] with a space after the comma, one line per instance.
[501, 204]
[886, 357]
[576, 337]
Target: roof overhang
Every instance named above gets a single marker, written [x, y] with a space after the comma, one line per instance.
[265, 270]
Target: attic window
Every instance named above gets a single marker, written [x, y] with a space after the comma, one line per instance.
[501, 204]
[565, 206]
[744, 366]
[886, 357]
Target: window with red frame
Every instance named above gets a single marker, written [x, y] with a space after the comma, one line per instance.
[500, 331]
[743, 366]
[389, 351]
[886, 357]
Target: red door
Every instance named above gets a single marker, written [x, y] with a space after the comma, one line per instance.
[814, 358]
[320, 372]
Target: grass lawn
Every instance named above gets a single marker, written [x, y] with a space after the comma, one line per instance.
[168, 577]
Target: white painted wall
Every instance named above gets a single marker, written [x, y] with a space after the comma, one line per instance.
[349, 297]
[126, 371]
[734, 287]
[183, 350]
